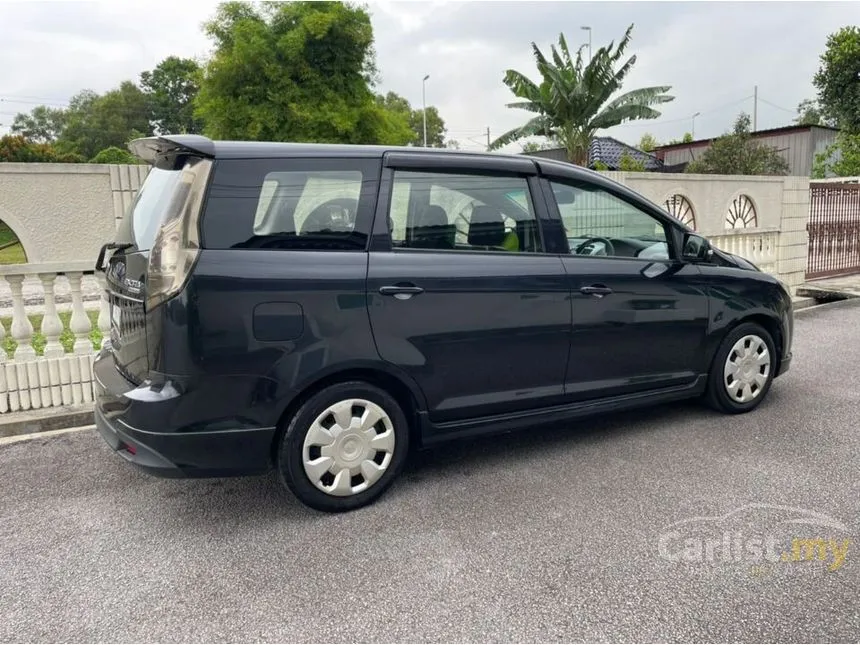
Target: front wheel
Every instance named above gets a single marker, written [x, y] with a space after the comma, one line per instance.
[344, 447]
[743, 370]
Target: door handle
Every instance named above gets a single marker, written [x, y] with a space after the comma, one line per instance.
[401, 292]
[598, 290]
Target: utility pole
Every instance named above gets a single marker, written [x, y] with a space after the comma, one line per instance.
[755, 107]
[424, 106]
[488, 138]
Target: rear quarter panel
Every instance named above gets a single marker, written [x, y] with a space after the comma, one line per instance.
[254, 327]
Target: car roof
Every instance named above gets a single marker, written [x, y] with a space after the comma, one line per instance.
[149, 148]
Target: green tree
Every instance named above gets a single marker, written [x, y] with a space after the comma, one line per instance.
[687, 138]
[294, 71]
[115, 155]
[629, 164]
[97, 122]
[42, 124]
[435, 124]
[435, 127]
[172, 87]
[737, 153]
[16, 148]
[648, 142]
[573, 100]
[810, 113]
[399, 110]
[530, 147]
[838, 79]
[841, 159]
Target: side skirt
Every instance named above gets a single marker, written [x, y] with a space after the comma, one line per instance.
[437, 433]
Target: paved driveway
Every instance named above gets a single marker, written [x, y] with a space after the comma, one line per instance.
[548, 535]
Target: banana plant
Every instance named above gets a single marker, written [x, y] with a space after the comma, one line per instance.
[574, 100]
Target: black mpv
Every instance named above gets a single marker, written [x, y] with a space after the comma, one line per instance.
[321, 309]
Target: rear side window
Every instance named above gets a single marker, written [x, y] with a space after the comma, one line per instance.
[462, 212]
[292, 204]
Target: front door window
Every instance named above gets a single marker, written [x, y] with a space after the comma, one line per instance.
[597, 223]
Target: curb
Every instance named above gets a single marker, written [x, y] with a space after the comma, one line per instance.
[835, 304]
[5, 441]
[47, 419]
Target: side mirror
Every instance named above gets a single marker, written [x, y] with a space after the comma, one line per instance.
[696, 248]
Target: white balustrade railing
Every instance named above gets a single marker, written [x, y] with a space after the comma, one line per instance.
[30, 379]
[758, 245]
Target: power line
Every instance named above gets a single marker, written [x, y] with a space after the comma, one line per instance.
[34, 98]
[685, 118]
[57, 104]
[778, 107]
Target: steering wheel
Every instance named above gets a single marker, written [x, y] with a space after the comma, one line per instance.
[608, 248]
[320, 218]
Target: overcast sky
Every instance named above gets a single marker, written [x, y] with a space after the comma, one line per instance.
[712, 54]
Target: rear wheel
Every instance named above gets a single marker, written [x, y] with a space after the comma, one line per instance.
[343, 447]
[743, 370]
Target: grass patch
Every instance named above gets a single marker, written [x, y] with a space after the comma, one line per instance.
[13, 255]
[67, 338]
[6, 234]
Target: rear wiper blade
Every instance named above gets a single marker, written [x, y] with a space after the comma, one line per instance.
[110, 246]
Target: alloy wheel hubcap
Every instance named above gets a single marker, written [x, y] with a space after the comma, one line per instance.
[348, 447]
[747, 369]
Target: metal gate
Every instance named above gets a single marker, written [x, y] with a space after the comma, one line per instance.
[834, 230]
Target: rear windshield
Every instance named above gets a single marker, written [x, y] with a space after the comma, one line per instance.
[154, 198]
[161, 194]
[301, 204]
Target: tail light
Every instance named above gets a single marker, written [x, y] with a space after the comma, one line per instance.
[177, 243]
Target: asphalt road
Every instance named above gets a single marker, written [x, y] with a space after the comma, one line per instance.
[548, 535]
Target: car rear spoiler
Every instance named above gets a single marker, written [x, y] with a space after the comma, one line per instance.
[150, 148]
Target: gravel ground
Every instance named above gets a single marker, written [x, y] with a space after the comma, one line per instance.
[547, 535]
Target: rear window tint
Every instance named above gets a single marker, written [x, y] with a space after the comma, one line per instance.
[315, 204]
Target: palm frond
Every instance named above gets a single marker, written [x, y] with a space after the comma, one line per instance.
[619, 52]
[633, 112]
[525, 105]
[562, 43]
[642, 96]
[521, 85]
[537, 126]
[540, 59]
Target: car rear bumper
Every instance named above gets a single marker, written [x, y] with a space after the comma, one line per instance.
[164, 451]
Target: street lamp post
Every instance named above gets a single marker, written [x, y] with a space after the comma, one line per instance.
[424, 106]
[693, 128]
[588, 29]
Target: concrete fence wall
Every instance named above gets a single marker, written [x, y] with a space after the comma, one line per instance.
[65, 212]
[764, 217]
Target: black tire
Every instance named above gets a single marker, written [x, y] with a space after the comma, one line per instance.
[716, 395]
[291, 449]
